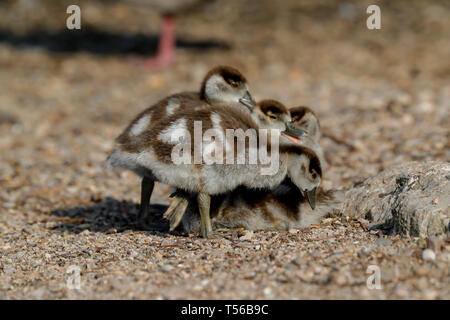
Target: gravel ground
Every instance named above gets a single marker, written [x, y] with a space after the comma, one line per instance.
[382, 96]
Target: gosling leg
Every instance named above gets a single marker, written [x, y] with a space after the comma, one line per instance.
[147, 185]
[204, 202]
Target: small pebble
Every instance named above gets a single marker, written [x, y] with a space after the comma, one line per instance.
[290, 266]
[267, 291]
[385, 242]
[428, 255]
[400, 292]
[430, 294]
[340, 279]
[248, 235]
[167, 268]
[421, 272]
[298, 261]
[365, 252]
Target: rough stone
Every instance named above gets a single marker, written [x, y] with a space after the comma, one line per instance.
[411, 199]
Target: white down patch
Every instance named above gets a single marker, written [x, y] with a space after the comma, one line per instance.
[174, 132]
[140, 126]
[172, 106]
[126, 160]
[213, 142]
[180, 176]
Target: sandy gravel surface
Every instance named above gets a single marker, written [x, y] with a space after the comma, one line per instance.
[383, 98]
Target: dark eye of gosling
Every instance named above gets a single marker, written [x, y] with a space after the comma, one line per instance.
[234, 84]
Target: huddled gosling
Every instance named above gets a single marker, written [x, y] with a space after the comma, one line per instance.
[153, 157]
[281, 208]
[223, 86]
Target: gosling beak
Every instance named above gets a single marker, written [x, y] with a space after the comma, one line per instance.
[311, 196]
[292, 130]
[247, 100]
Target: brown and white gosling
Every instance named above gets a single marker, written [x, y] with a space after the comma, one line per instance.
[223, 86]
[306, 119]
[282, 208]
[268, 114]
[154, 156]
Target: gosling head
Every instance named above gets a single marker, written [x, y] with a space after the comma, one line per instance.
[304, 128]
[226, 86]
[271, 114]
[305, 171]
[306, 119]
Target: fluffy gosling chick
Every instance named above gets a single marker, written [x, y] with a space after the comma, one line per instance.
[304, 118]
[282, 208]
[267, 114]
[154, 157]
[223, 86]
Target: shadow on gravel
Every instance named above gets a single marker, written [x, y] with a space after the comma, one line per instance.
[110, 216]
[99, 42]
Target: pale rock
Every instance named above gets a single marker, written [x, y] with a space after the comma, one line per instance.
[428, 255]
[410, 199]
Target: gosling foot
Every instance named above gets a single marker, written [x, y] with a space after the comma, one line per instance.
[176, 211]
